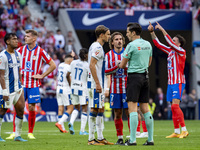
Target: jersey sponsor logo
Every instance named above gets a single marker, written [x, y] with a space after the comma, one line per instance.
[145, 48]
[120, 76]
[0, 61]
[76, 84]
[27, 70]
[33, 96]
[97, 52]
[91, 21]
[11, 65]
[144, 22]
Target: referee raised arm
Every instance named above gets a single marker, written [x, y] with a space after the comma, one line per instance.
[138, 55]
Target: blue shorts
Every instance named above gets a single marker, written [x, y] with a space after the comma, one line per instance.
[175, 91]
[118, 101]
[32, 94]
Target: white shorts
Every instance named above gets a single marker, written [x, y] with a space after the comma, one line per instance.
[63, 99]
[96, 100]
[13, 98]
[76, 99]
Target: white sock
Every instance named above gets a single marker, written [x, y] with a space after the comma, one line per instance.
[18, 126]
[92, 125]
[0, 124]
[184, 128]
[177, 131]
[83, 121]
[99, 127]
[63, 127]
[65, 116]
[73, 116]
[120, 137]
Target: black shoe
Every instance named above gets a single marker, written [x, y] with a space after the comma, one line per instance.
[148, 143]
[127, 143]
[119, 142]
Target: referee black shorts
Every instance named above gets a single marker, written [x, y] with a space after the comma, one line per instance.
[137, 89]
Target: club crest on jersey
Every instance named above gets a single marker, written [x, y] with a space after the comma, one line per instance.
[0, 61]
[34, 57]
[97, 52]
[28, 64]
[17, 58]
[119, 71]
[139, 48]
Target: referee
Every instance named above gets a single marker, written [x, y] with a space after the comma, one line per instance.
[138, 54]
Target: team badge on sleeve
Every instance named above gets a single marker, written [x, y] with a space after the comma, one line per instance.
[46, 54]
[97, 52]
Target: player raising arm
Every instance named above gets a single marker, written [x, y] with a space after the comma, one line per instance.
[176, 79]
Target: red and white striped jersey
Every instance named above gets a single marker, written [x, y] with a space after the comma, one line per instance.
[118, 76]
[31, 63]
[175, 61]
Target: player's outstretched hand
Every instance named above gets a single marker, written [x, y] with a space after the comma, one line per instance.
[150, 27]
[37, 76]
[158, 26]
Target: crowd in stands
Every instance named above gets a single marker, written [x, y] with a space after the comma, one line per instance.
[54, 5]
[16, 17]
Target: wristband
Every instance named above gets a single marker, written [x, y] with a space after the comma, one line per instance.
[107, 89]
[151, 31]
[5, 92]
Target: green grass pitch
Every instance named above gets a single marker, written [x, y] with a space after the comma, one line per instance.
[49, 138]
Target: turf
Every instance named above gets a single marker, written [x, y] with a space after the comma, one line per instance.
[48, 137]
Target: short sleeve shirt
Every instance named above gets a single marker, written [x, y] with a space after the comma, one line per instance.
[138, 53]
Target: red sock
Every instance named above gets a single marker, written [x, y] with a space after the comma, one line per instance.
[175, 110]
[31, 121]
[181, 117]
[129, 124]
[119, 126]
[14, 121]
[144, 127]
[138, 127]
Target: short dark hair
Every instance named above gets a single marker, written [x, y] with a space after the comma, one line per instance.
[100, 29]
[181, 39]
[133, 26]
[82, 53]
[8, 36]
[112, 38]
[68, 56]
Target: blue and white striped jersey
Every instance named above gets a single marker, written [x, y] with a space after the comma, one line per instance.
[79, 77]
[63, 69]
[11, 64]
